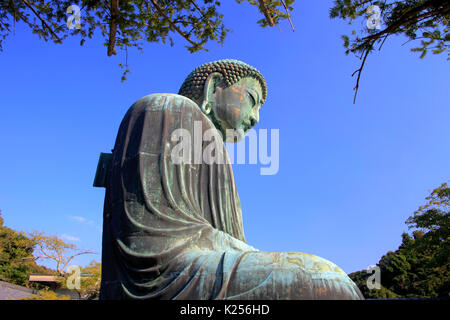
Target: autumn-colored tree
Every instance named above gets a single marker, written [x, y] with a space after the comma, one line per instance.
[54, 249]
[46, 295]
[90, 277]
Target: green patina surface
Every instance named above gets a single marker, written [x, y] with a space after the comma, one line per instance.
[174, 231]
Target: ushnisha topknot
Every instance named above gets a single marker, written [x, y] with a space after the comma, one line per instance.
[232, 70]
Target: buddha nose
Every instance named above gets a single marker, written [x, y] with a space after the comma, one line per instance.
[254, 119]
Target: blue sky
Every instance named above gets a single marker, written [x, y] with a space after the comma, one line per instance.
[349, 175]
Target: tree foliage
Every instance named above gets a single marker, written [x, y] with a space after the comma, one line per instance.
[420, 267]
[125, 24]
[46, 295]
[90, 286]
[16, 257]
[360, 278]
[424, 20]
[90, 278]
[54, 249]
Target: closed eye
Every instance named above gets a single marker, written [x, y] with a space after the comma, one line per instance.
[252, 99]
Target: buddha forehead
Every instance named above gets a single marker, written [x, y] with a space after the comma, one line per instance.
[249, 83]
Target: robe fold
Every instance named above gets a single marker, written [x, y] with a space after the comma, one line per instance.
[174, 231]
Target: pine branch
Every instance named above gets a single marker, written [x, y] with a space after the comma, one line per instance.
[288, 14]
[113, 27]
[407, 18]
[382, 43]
[265, 10]
[199, 10]
[359, 73]
[172, 24]
[42, 20]
[5, 26]
[412, 16]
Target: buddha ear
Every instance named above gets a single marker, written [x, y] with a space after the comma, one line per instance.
[209, 89]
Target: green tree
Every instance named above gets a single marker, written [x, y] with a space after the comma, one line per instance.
[420, 267]
[360, 278]
[90, 285]
[90, 278]
[16, 257]
[125, 24]
[431, 243]
[424, 20]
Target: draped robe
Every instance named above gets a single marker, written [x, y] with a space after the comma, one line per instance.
[174, 231]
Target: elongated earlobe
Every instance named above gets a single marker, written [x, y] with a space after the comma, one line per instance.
[209, 90]
[206, 107]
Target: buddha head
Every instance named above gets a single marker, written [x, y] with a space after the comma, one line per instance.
[230, 93]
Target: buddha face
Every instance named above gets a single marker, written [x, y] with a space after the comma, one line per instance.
[235, 109]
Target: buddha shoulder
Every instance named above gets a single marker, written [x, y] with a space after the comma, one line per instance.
[163, 101]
